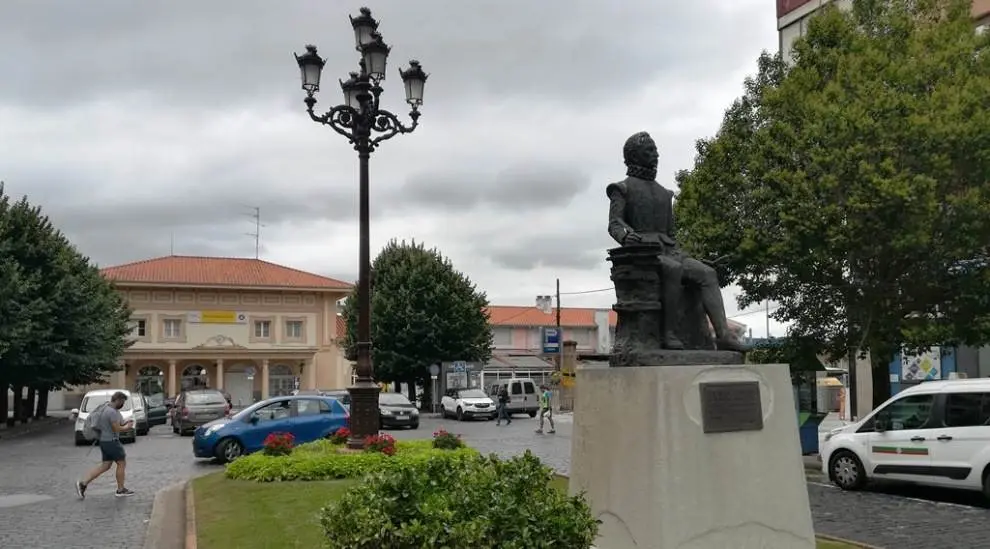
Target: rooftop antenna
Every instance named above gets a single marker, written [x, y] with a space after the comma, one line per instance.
[256, 216]
[171, 243]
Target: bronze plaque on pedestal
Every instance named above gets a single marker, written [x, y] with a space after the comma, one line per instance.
[731, 406]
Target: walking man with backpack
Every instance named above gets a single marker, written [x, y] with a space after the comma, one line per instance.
[503, 406]
[106, 422]
[545, 409]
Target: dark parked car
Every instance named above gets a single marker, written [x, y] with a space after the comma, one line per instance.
[198, 407]
[340, 394]
[306, 417]
[156, 409]
[395, 410]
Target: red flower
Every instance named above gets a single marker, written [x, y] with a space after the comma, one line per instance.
[279, 444]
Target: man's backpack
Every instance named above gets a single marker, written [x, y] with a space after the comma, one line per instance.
[90, 427]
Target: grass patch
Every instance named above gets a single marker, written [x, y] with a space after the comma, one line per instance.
[262, 515]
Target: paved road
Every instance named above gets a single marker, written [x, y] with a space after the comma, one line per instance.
[885, 517]
[43, 466]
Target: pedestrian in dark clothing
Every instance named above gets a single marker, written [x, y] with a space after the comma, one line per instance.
[503, 406]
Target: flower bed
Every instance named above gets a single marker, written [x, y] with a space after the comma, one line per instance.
[325, 460]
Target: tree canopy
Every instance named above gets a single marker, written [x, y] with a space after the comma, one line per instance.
[851, 187]
[424, 312]
[61, 322]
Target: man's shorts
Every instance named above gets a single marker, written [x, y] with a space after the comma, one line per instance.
[112, 451]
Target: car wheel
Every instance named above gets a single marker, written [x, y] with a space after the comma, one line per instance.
[414, 425]
[443, 412]
[986, 482]
[532, 414]
[845, 470]
[228, 450]
[460, 414]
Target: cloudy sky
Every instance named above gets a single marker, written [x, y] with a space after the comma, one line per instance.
[136, 123]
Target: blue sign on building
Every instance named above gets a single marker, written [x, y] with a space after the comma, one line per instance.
[551, 340]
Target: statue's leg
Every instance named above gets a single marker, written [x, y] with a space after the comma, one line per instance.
[672, 281]
[706, 279]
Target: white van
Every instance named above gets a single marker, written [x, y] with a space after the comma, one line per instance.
[94, 399]
[936, 433]
[524, 395]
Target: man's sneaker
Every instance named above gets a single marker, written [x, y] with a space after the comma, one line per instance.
[123, 493]
[552, 431]
[81, 489]
[539, 431]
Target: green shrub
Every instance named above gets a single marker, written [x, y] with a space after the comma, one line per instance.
[323, 460]
[477, 502]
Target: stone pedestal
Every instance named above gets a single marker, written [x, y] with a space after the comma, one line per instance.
[656, 479]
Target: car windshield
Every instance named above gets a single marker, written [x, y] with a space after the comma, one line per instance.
[91, 402]
[156, 400]
[393, 399]
[205, 397]
[472, 393]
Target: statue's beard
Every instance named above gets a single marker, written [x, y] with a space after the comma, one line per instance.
[641, 172]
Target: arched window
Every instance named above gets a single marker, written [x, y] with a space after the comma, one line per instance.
[281, 381]
[150, 381]
[194, 376]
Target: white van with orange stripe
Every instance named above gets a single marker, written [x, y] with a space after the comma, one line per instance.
[936, 433]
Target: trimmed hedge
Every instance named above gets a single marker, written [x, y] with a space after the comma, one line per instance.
[323, 460]
[475, 502]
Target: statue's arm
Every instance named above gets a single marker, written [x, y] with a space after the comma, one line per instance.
[618, 229]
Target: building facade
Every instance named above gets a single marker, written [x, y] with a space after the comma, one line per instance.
[793, 17]
[251, 328]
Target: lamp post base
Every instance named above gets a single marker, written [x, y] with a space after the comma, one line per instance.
[364, 412]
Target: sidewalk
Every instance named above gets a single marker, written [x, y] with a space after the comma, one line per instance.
[55, 418]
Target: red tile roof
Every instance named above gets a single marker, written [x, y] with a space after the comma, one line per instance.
[531, 316]
[218, 271]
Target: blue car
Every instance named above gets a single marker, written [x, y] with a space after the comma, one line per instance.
[306, 417]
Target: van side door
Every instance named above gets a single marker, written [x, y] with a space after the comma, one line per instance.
[902, 438]
[962, 436]
[517, 400]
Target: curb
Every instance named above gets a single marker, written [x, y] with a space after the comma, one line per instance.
[846, 541]
[9, 433]
[190, 517]
[167, 518]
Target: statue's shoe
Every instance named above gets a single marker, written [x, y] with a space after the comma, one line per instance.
[731, 344]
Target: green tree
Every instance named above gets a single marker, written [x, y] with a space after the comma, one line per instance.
[423, 312]
[851, 187]
[72, 325]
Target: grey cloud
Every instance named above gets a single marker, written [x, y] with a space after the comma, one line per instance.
[522, 187]
[229, 51]
[542, 246]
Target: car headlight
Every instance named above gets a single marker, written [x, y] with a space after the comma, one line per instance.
[212, 429]
[386, 412]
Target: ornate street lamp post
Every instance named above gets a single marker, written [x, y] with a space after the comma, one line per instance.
[365, 125]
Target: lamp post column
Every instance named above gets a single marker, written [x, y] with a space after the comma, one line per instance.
[364, 394]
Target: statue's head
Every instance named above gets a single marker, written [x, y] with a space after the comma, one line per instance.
[641, 151]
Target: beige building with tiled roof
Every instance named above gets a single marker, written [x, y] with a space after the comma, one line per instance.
[252, 328]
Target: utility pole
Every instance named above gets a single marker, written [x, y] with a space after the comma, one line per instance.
[171, 243]
[768, 320]
[256, 216]
[560, 333]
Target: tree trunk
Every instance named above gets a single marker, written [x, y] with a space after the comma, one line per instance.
[29, 404]
[427, 396]
[41, 410]
[4, 402]
[880, 357]
[411, 391]
[18, 405]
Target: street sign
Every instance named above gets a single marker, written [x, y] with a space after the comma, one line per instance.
[434, 370]
[459, 366]
[551, 340]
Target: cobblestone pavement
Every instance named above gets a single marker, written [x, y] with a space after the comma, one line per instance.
[40, 469]
[44, 465]
[885, 517]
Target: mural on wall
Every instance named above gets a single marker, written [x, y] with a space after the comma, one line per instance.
[922, 367]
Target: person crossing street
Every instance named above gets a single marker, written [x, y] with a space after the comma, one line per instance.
[546, 410]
